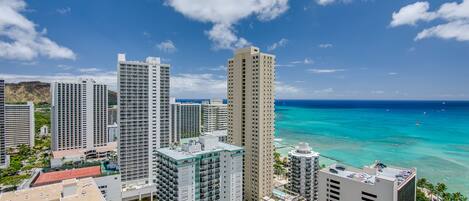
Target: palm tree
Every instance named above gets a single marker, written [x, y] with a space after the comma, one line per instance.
[422, 182]
[441, 189]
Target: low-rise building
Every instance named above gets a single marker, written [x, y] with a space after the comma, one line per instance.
[66, 190]
[200, 170]
[303, 174]
[44, 130]
[59, 158]
[377, 182]
[106, 176]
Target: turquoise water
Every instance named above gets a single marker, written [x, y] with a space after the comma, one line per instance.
[434, 137]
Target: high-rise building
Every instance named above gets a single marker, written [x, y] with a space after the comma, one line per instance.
[214, 115]
[19, 124]
[112, 115]
[79, 115]
[4, 159]
[185, 120]
[372, 183]
[303, 174]
[143, 118]
[251, 93]
[200, 170]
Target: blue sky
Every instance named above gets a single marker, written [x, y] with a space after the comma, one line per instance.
[326, 49]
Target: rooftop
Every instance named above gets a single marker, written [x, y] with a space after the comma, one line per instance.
[303, 149]
[205, 144]
[111, 146]
[369, 174]
[68, 190]
[54, 177]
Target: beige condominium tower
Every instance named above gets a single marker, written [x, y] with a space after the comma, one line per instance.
[251, 89]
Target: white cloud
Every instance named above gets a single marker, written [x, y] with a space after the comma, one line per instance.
[167, 46]
[64, 67]
[281, 43]
[322, 71]
[224, 14]
[328, 2]
[458, 30]
[325, 2]
[218, 68]
[64, 11]
[454, 17]
[392, 73]
[411, 14]
[19, 39]
[304, 61]
[198, 86]
[88, 70]
[325, 45]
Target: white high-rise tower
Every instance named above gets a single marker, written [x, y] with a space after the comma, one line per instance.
[79, 115]
[143, 118]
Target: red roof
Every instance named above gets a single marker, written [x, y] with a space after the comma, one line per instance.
[55, 177]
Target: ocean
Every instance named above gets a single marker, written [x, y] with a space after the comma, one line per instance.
[432, 136]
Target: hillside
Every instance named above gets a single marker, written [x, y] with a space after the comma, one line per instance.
[38, 92]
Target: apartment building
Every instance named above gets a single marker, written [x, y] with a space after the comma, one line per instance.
[214, 115]
[303, 172]
[19, 125]
[200, 170]
[185, 120]
[143, 119]
[251, 94]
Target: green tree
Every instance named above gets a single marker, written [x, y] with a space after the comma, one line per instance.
[421, 196]
[422, 182]
[440, 189]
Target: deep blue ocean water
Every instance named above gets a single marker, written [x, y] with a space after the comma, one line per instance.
[432, 136]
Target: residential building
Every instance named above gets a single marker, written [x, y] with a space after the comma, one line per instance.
[251, 94]
[4, 158]
[67, 190]
[200, 170]
[214, 115]
[303, 172]
[143, 119]
[19, 125]
[185, 120]
[372, 183]
[113, 132]
[112, 115]
[79, 115]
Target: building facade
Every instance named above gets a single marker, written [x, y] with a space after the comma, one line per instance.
[79, 115]
[303, 173]
[377, 182]
[4, 159]
[185, 120]
[251, 93]
[19, 125]
[143, 118]
[200, 170]
[214, 115]
[112, 115]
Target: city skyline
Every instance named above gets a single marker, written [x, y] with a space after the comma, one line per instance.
[393, 50]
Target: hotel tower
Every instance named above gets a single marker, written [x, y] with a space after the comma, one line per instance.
[143, 118]
[251, 84]
[79, 115]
